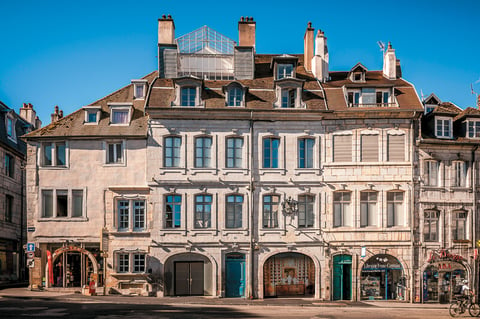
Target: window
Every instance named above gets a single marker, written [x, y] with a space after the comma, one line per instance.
[341, 209]
[306, 217]
[353, 98]
[270, 152]
[8, 208]
[342, 148]
[138, 263]
[289, 97]
[9, 166]
[172, 151]
[234, 152]
[474, 129]
[396, 148]
[54, 154]
[115, 152]
[234, 211]
[62, 203]
[136, 260]
[235, 96]
[270, 211]
[139, 87]
[459, 169]
[173, 211]
[368, 209]
[305, 152]
[123, 263]
[430, 173]
[395, 209]
[369, 144]
[131, 214]
[203, 150]
[368, 97]
[203, 211]
[120, 116]
[284, 71]
[430, 225]
[459, 225]
[10, 124]
[92, 117]
[188, 96]
[382, 98]
[443, 127]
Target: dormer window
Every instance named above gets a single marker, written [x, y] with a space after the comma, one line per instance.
[288, 97]
[188, 92]
[473, 129]
[443, 127]
[10, 125]
[289, 94]
[92, 114]
[120, 114]
[139, 89]
[357, 73]
[284, 71]
[369, 97]
[358, 77]
[235, 94]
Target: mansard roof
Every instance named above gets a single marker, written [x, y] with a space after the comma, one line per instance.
[72, 125]
[469, 112]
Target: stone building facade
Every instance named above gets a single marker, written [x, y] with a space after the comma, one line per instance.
[235, 174]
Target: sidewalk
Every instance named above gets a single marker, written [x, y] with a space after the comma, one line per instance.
[25, 293]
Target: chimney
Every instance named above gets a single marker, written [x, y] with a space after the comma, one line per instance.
[390, 63]
[166, 30]
[56, 115]
[478, 101]
[308, 46]
[28, 114]
[320, 60]
[246, 32]
[38, 123]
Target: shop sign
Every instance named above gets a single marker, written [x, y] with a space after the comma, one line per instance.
[443, 255]
[446, 265]
[382, 266]
[68, 248]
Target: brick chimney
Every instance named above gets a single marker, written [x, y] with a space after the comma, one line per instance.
[308, 47]
[28, 114]
[390, 63]
[56, 115]
[246, 32]
[320, 60]
[166, 30]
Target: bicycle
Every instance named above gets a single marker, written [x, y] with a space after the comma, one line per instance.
[463, 303]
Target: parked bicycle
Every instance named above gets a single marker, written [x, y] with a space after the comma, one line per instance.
[463, 303]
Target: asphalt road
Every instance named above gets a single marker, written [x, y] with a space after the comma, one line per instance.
[130, 308]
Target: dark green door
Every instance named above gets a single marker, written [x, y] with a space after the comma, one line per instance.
[235, 275]
[342, 277]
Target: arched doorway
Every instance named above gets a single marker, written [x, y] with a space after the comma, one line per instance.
[289, 274]
[441, 280]
[342, 277]
[74, 267]
[235, 275]
[188, 274]
[382, 278]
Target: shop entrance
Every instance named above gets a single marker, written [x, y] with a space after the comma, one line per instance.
[289, 274]
[235, 275]
[440, 284]
[382, 279]
[74, 267]
[342, 277]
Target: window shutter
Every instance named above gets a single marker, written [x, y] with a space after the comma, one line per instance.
[342, 148]
[396, 148]
[369, 148]
[390, 215]
[363, 214]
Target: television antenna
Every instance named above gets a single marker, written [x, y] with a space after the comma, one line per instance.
[381, 45]
[475, 93]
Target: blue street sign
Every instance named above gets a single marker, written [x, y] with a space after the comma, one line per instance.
[30, 247]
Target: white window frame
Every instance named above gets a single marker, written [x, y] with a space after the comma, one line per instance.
[232, 208]
[70, 203]
[309, 221]
[282, 71]
[173, 148]
[173, 204]
[431, 173]
[371, 207]
[91, 110]
[188, 83]
[455, 223]
[237, 152]
[234, 91]
[120, 107]
[443, 120]
[53, 154]
[9, 118]
[139, 84]
[345, 209]
[459, 172]
[131, 214]
[475, 125]
[106, 148]
[306, 160]
[398, 212]
[129, 268]
[436, 218]
[272, 220]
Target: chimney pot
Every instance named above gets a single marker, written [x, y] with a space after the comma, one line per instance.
[164, 16]
[308, 47]
[30, 105]
[169, 16]
[241, 19]
[60, 115]
[309, 24]
[56, 109]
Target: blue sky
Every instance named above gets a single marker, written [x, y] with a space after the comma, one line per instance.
[71, 53]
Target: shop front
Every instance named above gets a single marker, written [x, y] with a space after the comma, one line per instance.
[442, 276]
[71, 266]
[382, 278]
[289, 274]
[9, 271]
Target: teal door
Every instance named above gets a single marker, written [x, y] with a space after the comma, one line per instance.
[235, 275]
[342, 277]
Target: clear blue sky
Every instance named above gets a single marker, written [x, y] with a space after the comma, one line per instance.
[71, 53]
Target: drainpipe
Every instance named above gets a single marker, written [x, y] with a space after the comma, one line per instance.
[21, 257]
[412, 211]
[252, 207]
[474, 222]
